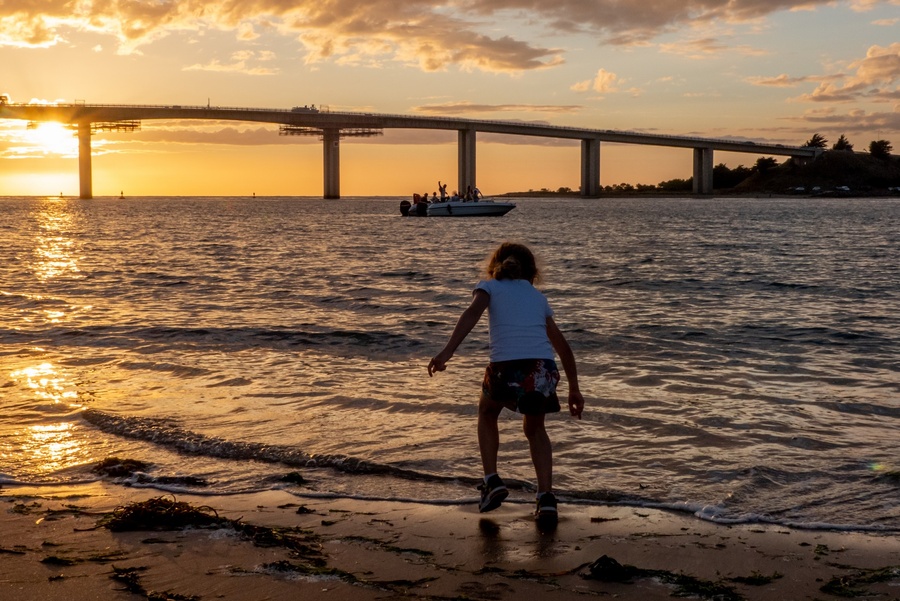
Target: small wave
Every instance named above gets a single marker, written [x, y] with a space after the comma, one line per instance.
[338, 341]
[165, 434]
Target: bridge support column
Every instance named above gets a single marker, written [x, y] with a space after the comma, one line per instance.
[331, 141]
[703, 171]
[590, 168]
[85, 185]
[466, 163]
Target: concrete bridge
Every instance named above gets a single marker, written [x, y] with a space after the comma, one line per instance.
[332, 126]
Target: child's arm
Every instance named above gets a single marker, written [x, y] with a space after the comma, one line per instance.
[562, 348]
[467, 321]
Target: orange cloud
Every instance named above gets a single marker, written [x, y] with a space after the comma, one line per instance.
[879, 69]
[604, 82]
[469, 108]
[429, 34]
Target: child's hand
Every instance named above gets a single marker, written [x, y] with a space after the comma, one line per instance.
[438, 363]
[576, 404]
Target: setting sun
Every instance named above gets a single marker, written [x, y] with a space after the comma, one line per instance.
[52, 138]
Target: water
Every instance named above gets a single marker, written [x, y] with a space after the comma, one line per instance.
[738, 356]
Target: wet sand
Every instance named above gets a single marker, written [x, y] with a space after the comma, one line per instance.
[52, 547]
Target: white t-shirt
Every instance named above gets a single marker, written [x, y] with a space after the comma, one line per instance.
[518, 315]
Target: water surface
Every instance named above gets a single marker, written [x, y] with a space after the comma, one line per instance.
[739, 356]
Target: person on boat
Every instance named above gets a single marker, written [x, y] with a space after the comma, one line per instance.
[469, 193]
[434, 197]
[477, 194]
[443, 189]
[455, 196]
[522, 375]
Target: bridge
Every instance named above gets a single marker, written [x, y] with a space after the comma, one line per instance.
[330, 127]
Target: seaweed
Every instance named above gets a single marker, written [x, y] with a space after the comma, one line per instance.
[119, 468]
[56, 560]
[23, 509]
[757, 579]
[292, 478]
[131, 579]
[402, 550]
[101, 557]
[608, 569]
[285, 566]
[160, 513]
[853, 585]
[166, 513]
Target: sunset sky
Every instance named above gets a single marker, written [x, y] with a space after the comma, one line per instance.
[765, 70]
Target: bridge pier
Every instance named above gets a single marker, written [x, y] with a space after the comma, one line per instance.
[703, 171]
[85, 183]
[331, 141]
[590, 167]
[466, 161]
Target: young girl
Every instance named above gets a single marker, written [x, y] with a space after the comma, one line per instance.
[522, 374]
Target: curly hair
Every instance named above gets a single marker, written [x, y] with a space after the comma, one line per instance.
[512, 261]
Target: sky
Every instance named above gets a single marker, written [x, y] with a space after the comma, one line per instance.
[764, 70]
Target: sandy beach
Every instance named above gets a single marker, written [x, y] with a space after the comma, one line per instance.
[55, 546]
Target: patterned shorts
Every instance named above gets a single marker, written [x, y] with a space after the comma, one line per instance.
[527, 386]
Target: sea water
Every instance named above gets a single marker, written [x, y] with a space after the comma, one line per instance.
[739, 357]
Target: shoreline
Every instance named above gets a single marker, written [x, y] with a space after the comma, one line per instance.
[53, 548]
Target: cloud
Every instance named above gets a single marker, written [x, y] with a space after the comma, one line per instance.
[431, 35]
[238, 64]
[468, 108]
[785, 81]
[603, 82]
[708, 48]
[213, 133]
[866, 5]
[856, 121]
[23, 31]
[246, 32]
[879, 69]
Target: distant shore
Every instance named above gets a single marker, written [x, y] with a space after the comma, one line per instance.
[731, 192]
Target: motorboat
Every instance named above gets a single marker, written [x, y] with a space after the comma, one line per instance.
[483, 207]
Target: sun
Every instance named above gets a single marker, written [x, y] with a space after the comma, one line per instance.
[53, 138]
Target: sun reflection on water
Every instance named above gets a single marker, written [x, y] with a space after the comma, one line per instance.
[44, 448]
[53, 447]
[54, 247]
[45, 383]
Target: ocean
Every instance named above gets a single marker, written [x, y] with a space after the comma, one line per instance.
[739, 356]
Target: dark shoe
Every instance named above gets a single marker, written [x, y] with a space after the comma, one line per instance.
[492, 494]
[546, 513]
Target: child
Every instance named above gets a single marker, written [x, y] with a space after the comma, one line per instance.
[521, 375]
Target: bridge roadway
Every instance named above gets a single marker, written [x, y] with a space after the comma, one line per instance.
[331, 126]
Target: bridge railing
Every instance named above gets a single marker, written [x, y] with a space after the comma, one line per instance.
[448, 120]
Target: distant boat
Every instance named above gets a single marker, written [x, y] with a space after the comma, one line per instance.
[483, 207]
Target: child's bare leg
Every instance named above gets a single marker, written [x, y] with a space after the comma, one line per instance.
[488, 434]
[541, 451]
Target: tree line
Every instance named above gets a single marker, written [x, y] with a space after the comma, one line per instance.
[877, 148]
[726, 177]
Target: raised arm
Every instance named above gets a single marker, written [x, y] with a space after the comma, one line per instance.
[562, 348]
[467, 321]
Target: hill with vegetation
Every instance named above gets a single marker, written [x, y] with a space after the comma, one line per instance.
[834, 171]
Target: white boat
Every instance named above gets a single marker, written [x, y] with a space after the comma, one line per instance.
[482, 207]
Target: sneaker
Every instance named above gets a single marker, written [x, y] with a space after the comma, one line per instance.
[492, 494]
[546, 512]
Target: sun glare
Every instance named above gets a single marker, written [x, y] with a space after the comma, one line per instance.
[53, 138]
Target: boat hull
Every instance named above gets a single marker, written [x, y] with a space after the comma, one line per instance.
[481, 208]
